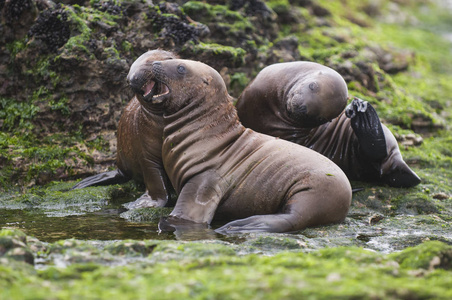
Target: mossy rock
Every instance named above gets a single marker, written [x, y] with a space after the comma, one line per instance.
[148, 214]
[13, 246]
[217, 55]
[429, 256]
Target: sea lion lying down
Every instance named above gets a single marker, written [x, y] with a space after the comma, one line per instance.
[303, 102]
[220, 168]
[140, 131]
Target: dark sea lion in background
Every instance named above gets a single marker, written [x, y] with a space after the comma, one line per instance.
[219, 168]
[359, 144]
[139, 154]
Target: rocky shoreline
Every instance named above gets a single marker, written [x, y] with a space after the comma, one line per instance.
[62, 73]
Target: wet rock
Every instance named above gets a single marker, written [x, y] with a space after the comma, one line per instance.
[244, 27]
[374, 219]
[173, 25]
[360, 71]
[149, 214]
[132, 248]
[18, 16]
[391, 60]
[52, 28]
[408, 140]
[424, 124]
[218, 56]
[319, 10]
[273, 244]
[284, 50]
[13, 246]
[441, 196]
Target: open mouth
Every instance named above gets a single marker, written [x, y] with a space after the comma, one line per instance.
[153, 90]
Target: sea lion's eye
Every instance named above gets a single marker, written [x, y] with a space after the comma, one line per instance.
[314, 86]
[181, 69]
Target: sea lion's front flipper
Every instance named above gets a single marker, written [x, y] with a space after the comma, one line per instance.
[157, 188]
[145, 201]
[367, 127]
[106, 178]
[199, 198]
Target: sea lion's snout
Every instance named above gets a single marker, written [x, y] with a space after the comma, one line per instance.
[303, 112]
[145, 83]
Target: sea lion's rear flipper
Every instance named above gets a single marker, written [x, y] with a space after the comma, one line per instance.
[367, 127]
[393, 170]
[402, 176]
[259, 223]
[396, 173]
[106, 178]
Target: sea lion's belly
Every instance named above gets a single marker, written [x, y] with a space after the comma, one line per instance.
[264, 181]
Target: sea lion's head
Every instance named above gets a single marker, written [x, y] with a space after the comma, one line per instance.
[306, 99]
[174, 83]
[141, 70]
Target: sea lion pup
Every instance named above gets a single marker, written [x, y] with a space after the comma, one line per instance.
[140, 130]
[359, 144]
[218, 167]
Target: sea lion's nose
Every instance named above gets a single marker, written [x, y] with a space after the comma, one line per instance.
[136, 80]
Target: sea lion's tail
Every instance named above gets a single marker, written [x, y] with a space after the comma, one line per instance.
[106, 178]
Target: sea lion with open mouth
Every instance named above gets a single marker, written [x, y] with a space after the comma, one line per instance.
[140, 132]
[220, 168]
[303, 102]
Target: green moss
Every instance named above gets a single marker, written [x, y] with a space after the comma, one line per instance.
[236, 54]
[232, 22]
[59, 195]
[55, 153]
[132, 248]
[280, 6]
[214, 273]
[112, 52]
[435, 151]
[80, 18]
[239, 81]
[76, 17]
[149, 214]
[60, 105]
[206, 12]
[42, 69]
[430, 255]
[12, 232]
[127, 46]
[275, 243]
[15, 47]
[16, 116]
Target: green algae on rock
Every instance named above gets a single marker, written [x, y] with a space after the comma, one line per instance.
[428, 256]
[149, 214]
[132, 269]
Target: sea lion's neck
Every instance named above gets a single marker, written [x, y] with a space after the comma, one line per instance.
[153, 111]
[195, 134]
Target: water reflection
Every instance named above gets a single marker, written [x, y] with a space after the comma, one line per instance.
[105, 224]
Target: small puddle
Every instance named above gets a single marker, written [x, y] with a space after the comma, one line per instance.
[104, 224]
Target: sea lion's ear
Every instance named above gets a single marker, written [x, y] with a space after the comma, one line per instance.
[207, 80]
